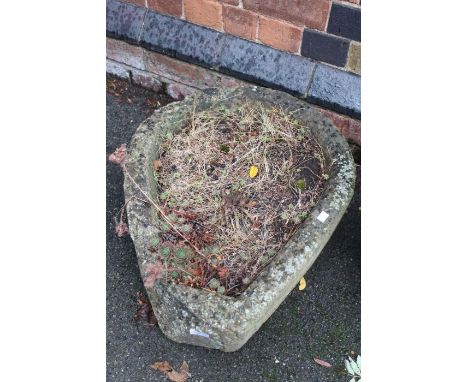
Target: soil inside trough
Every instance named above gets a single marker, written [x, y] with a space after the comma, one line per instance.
[234, 185]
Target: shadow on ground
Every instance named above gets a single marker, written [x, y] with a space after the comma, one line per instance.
[322, 321]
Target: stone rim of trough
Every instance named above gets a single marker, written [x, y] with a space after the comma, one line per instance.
[198, 317]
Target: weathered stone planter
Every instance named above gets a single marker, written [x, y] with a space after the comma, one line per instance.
[211, 320]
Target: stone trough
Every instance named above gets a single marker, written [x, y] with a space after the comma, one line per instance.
[198, 317]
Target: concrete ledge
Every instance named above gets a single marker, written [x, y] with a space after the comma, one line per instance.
[317, 83]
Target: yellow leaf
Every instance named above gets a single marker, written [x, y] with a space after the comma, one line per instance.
[302, 284]
[253, 171]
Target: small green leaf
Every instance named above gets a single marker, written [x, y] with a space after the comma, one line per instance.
[165, 251]
[186, 228]
[164, 195]
[155, 241]
[224, 148]
[175, 274]
[164, 227]
[221, 290]
[172, 217]
[181, 254]
[213, 284]
[300, 184]
[169, 135]
[326, 176]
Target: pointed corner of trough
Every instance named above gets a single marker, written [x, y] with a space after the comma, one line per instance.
[197, 317]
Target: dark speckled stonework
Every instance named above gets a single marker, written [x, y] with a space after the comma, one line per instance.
[161, 33]
[124, 21]
[182, 40]
[337, 90]
[200, 45]
[266, 66]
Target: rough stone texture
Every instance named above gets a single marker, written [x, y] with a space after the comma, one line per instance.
[180, 39]
[335, 89]
[150, 69]
[187, 74]
[266, 66]
[354, 58]
[201, 318]
[178, 91]
[117, 70]
[312, 13]
[279, 34]
[204, 12]
[161, 33]
[128, 54]
[200, 45]
[345, 21]
[172, 7]
[239, 22]
[324, 47]
[146, 80]
[348, 127]
[124, 20]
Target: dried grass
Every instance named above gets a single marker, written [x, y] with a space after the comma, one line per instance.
[233, 225]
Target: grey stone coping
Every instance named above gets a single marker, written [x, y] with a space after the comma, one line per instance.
[336, 90]
[235, 56]
[198, 317]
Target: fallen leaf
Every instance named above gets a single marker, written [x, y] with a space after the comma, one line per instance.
[302, 284]
[163, 367]
[181, 375]
[118, 156]
[157, 164]
[223, 272]
[153, 272]
[144, 311]
[253, 171]
[322, 363]
[121, 229]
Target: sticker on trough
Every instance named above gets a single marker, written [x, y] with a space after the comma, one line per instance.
[322, 216]
[195, 332]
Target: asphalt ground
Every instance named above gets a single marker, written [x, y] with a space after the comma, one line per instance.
[322, 321]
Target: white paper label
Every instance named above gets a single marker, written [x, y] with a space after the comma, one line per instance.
[322, 216]
[195, 332]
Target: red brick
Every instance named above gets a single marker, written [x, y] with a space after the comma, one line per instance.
[141, 3]
[240, 22]
[204, 12]
[311, 13]
[188, 74]
[279, 34]
[349, 128]
[169, 7]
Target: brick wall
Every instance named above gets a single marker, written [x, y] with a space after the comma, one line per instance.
[323, 30]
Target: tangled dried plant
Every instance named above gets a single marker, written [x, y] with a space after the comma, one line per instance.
[220, 227]
[221, 222]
